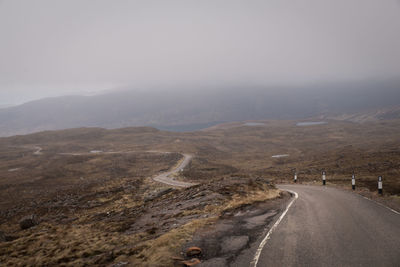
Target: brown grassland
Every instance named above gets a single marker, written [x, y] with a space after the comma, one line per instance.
[104, 208]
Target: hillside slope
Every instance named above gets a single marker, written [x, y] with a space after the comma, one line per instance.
[194, 109]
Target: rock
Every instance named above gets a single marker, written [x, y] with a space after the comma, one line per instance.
[191, 262]
[2, 237]
[193, 251]
[158, 194]
[164, 192]
[28, 222]
[202, 193]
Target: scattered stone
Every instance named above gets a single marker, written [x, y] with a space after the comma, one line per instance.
[191, 262]
[28, 222]
[193, 251]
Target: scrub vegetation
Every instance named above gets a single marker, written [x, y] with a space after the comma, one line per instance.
[103, 208]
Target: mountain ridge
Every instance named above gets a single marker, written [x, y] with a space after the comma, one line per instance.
[192, 110]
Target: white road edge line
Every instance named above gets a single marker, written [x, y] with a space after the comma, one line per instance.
[380, 204]
[264, 241]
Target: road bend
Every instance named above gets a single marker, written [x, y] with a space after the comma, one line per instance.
[166, 177]
[331, 227]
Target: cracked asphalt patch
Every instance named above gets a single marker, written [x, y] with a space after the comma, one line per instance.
[236, 234]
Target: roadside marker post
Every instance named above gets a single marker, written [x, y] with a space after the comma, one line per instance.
[324, 178]
[380, 185]
[295, 177]
[353, 182]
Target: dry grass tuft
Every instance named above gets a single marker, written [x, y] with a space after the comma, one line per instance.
[238, 201]
[160, 251]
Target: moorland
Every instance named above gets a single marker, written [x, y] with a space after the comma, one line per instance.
[94, 201]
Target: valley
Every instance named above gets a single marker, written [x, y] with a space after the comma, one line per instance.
[93, 194]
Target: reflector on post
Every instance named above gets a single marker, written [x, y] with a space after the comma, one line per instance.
[380, 185]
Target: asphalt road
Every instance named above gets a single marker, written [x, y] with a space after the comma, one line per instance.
[166, 176]
[331, 227]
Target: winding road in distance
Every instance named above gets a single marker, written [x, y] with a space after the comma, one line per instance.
[165, 176]
[330, 227]
[162, 177]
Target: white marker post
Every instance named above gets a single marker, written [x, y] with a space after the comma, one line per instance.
[324, 178]
[353, 182]
[380, 185]
[295, 177]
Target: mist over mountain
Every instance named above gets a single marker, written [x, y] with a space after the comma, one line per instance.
[184, 110]
[185, 65]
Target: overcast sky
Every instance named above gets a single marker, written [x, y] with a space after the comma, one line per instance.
[52, 47]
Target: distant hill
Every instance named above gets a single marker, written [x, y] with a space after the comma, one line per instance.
[184, 110]
[372, 115]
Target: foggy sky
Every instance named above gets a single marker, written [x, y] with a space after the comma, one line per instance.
[50, 48]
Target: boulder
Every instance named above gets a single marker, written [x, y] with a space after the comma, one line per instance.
[5, 238]
[2, 237]
[28, 222]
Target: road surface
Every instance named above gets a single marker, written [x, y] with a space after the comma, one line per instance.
[165, 176]
[331, 227]
[38, 150]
